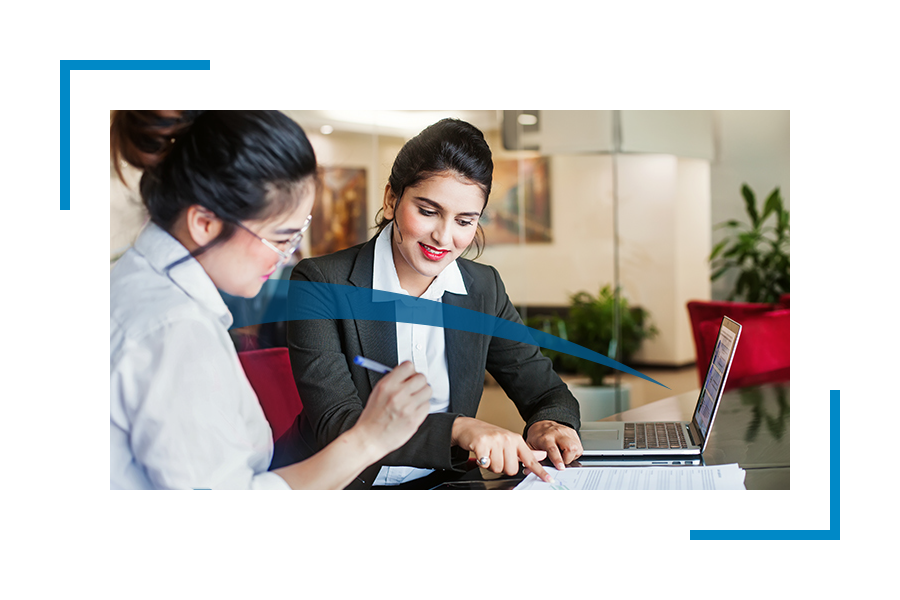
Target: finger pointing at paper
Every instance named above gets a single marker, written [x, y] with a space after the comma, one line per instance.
[496, 449]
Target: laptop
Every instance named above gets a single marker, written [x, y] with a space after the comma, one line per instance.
[673, 438]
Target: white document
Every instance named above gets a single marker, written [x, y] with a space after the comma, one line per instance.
[715, 477]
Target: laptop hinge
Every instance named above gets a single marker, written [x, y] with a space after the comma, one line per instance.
[691, 435]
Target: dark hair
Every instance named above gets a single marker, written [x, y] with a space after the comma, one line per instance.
[240, 165]
[450, 145]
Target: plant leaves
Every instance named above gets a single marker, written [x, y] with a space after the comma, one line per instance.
[759, 254]
[719, 273]
[730, 223]
[604, 323]
[784, 219]
[718, 248]
[773, 204]
[750, 202]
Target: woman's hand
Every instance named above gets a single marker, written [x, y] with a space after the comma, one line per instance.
[561, 443]
[503, 449]
[396, 407]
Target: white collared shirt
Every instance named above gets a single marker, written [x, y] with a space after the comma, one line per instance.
[421, 344]
[181, 413]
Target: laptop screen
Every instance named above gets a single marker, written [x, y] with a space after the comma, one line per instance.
[715, 376]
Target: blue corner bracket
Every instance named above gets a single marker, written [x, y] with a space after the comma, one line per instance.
[834, 531]
[65, 123]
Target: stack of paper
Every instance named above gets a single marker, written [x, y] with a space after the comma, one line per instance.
[716, 477]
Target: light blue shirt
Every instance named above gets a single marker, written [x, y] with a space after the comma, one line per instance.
[181, 413]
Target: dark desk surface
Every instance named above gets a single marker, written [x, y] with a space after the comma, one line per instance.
[752, 429]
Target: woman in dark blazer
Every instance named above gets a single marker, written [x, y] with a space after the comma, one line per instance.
[438, 188]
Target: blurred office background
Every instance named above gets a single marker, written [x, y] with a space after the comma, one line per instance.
[580, 200]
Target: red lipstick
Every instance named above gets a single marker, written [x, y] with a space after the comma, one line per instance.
[432, 253]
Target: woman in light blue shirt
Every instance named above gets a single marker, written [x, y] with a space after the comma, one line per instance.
[229, 196]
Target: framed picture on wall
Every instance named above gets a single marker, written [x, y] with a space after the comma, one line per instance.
[519, 206]
[339, 215]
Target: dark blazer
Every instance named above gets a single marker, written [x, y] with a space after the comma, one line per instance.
[334, 390]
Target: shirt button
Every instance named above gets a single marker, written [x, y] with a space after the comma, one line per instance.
[418, 346]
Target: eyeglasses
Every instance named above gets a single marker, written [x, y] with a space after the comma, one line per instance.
[290, 245]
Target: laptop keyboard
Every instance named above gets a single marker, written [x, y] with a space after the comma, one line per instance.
[654, 435]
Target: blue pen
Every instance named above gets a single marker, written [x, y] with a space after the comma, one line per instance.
[371, 364]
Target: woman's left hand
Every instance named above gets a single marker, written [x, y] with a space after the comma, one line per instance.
[561, 443]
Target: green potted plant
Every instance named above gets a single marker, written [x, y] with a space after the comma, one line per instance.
[591, 323]
[759, 252]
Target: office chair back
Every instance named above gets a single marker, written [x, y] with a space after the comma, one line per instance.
[270, 375]
[702, 311]
[763, 353]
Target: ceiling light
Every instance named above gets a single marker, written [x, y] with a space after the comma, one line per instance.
[526, 119]
[326, 129]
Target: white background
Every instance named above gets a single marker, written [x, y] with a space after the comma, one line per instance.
[65, 533]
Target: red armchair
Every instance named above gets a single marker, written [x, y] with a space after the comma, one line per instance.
[764, 350]
[270, 375]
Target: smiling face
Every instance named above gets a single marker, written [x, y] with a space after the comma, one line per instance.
[434, 222]
[240, 265]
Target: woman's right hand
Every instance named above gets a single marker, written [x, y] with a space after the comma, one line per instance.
[502, 450]
[396, 407]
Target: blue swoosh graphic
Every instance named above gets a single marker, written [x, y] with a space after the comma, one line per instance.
[283, 300]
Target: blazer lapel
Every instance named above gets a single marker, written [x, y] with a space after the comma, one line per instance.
[465, 353]
[378, 339]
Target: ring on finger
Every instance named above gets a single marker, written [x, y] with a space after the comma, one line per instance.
[484, 461]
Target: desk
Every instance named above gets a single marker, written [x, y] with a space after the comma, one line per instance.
[752, 429]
